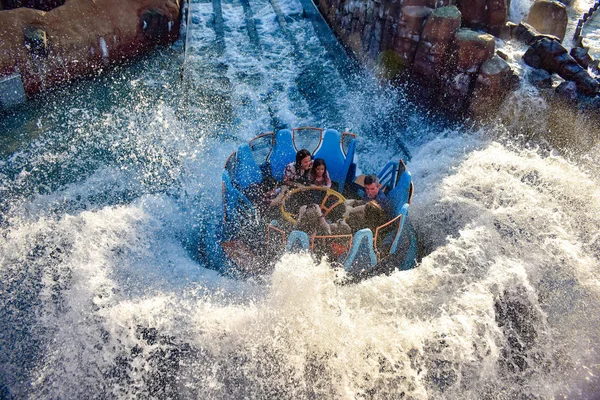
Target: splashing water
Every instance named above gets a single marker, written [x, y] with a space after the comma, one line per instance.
[109, 189]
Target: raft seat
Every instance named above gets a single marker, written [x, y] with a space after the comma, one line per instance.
[235, 203]
[246, 172]
[283, 153]
[401, 194]
[338, 163]
[297, 241]
[387, 176]
[362, 253]
[404, 213]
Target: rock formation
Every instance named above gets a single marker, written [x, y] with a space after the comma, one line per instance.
[471, 50]
[438, 33]
[550, 55]
[81, 37]
[408, 33]
[550, 17]
[494, 81]
[417, 41]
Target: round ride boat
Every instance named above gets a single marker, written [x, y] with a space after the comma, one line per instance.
[263, 218]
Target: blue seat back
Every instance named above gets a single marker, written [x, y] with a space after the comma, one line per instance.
[246, 170]
[297, 241]
[404, 213]
[387, 175]
[400, 195]
[362, 254]
[337, 162]
[234, 203]
[282, 154]
[347, 164]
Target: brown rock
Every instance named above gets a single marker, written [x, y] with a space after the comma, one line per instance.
[549, 16]
[505, 32]
[442, 24]
[494, 81]
[473, 12]
[525, 33]
[497, 13]
[83, 36]
[438, 33]
[472, 49]
[409, 31]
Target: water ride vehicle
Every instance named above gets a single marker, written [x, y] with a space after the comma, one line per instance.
[255, 235]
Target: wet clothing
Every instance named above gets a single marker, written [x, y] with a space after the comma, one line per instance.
[324, 181]
[383, 201]
[292, 175]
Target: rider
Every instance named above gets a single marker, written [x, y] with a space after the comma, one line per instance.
[319, 175]
[298, 173]
[373, 190]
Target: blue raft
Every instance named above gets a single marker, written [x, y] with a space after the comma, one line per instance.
[250, 240]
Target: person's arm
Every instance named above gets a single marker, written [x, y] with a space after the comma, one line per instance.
[327, 179]
[288, 175]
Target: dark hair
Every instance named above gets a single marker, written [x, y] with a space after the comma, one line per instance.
[369, 179]
[316, 163]
[300, 155]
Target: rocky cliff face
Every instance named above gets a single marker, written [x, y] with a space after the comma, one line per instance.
[81, 37]
[44, 5]
[422, 42]
[447, 49]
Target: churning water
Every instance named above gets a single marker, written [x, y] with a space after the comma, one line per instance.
[109, 189]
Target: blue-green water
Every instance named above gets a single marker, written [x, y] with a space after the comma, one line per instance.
[109, 187]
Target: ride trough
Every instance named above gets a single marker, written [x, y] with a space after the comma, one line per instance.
[255, 234]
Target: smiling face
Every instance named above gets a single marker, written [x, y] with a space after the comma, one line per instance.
[306, 163]
[320, 170]
[372, 190]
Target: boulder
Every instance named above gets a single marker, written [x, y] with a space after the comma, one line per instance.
[35, 40]
[390, 25]
[474, 13]
[582, 56]
[471, 49]
[527, 34]
[540, 78]
[438, 33]
[550, 55]
[567, 90]
[494, 81]
[497, 14]
[409, 31]
[81, 37]
[550, 17]
[507, 31]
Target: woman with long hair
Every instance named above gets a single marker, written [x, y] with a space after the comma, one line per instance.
[318, 173]
[298, 173]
